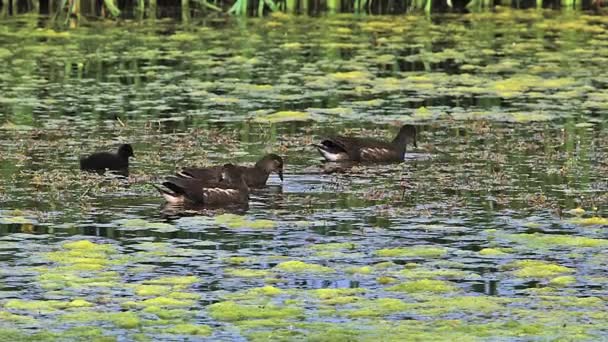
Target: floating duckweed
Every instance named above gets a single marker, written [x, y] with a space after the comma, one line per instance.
[168, 314]
[424, 285]
[297, 266]
[176, 280]
[35, 305]
[167, 302]
[283, 116]
[418, 251]
[10, 317]
[332, 293]
[492, 252]
[386, 280]
[377, 307]
[576, 211]
[536, 269]
[537, 240]
[184, 295]
[332, 246]
[127, 320]
[189, 329]
[256, 293]
[237, 221]
[463, 304]
[591, 221]
[79, 303]
[237, 260]
[359, 270]
[562, 281]
[151, 290]
[425, 273]
[231, 311]
[246, 273]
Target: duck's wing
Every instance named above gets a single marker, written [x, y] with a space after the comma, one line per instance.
[212, 173]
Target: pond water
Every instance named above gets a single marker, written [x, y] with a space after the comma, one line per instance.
[494, 228]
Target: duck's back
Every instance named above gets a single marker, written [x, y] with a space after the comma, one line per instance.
[102, 161]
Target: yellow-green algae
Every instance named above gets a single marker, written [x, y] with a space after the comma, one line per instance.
[538, 240]
[246, 273]
[173, 280]
[169, 314]
[424, 285]
[590, 221]
[562, 281]
[231, 311]
[376, 307]
[417, 251]
[296, 266]
[493, 251]
[151, 290]
[127, 320]
[256, 293]
[189, 329]
[426, 273]
[536, 269]
[237, 222]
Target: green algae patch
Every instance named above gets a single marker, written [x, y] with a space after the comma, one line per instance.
[283, 116]
[536, 269]
[384, 280]
[189, 329]
[246, 273]
[462, 304]
[152, 290]
[333, 246]
[126, 320]
[562, 281]
[175, 280]
[231, 311]
[296, 266]
[167, 302]
[426, 273]
[424, 285]
[538, 240]
[493, 252]
[79, 303]
[237, 222]
[333, 293]
[590, 221]
[137, 224]
[377, 307]
[421, 251]
[11, 317]
[256, 293]
[43, 306]
[360, 270]
[168, 314]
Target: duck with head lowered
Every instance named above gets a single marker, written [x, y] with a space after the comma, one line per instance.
[367, 150]
[230, 189]
[255, 176]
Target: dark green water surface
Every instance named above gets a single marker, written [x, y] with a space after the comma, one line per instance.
[494, 228]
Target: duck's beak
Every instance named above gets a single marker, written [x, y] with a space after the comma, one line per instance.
[280, 173]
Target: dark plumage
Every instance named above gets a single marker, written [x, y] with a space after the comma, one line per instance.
[101, 161]
[341, 148]
[231, 189]
[255, 176]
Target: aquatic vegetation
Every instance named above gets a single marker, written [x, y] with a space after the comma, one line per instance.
[416, 251]
[536, 269]
[424, 285]
[590, 221]
[237, 221]
[231, 311]
[297, 266]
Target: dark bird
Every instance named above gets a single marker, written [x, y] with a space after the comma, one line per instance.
[255, 176]
[230, 189]
[102, 161]
[341, 148]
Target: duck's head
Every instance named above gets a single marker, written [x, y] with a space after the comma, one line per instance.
[125, 151]
[271, 163]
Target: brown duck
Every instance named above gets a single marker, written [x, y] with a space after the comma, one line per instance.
[341, 148]
[255, 176]
[231, 189]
